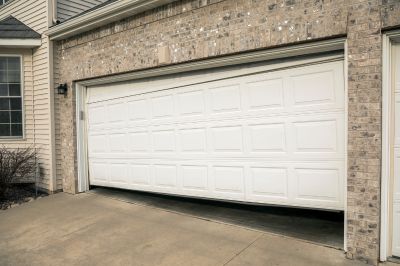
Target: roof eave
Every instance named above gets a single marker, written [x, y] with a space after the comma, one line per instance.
[107, 14]
[20, 43]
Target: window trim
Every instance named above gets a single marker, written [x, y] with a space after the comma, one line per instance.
[21, 58]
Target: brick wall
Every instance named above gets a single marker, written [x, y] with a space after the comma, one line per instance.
[205, 28]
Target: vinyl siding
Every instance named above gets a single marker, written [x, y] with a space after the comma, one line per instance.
[37, 96]
[70, 8]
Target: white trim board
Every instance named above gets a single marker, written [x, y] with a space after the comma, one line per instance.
[20, 43]
[387, 90]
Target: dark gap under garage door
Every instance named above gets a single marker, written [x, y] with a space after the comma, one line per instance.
[322, 227]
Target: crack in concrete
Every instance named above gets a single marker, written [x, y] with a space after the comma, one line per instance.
[245, 248]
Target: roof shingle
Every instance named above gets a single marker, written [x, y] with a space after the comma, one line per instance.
[12, 28]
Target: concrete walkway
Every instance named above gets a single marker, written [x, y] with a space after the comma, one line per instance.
[89, 229]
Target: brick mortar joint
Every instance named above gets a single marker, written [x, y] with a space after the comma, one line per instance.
[128, 28]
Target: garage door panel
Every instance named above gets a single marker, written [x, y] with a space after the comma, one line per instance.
[116, 113]
[195, 178]
[118, 172]
[315, 136]
[98, 171]
[162, 106]
[140, 174]
[228, 139]
[97, 115]
[193, 140]
[228, 181]
[191, 102]
[163, 140]
[266, 138]
[264, 94]
[326, 189]
[166, 176]
[139, 141]
[269, 183]
[225, 98]
[138, 110]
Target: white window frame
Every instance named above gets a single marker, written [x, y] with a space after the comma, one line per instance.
[21, 58]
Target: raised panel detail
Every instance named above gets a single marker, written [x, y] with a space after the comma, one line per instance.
[163, 106]
[138, 110]
[98, 143]
[225, 98]
[164, 140]
[317, 184]
[118, 172]
[191, 103]
[139, 141]
[165, 175]
[314, 88]
[116, 112]
[195, 177]
[265, 93]
[229, 179]
[193, 140]
[227, 139]
[117, 142]
[97, 115]
[98, 171]
[268, 138]
[316, 136]
[269, 181]
[140, 174]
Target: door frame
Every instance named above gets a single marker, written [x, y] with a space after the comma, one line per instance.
[388, 39]
[307, 50]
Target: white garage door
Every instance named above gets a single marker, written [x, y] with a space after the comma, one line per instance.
[274, 137]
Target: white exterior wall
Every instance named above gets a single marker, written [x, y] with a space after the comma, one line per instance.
[37, 87]
[69, 8]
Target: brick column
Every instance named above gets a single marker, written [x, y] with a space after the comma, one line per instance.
[364, 138]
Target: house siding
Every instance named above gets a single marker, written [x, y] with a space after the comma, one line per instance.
[36, 87]
[69, 8]
[199, 29]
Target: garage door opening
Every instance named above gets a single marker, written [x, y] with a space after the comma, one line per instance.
[316, 226]
[271, 134]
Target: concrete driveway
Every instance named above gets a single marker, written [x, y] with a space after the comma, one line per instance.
[90, 229]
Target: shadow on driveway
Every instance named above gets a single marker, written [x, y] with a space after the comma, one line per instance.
[321, 227]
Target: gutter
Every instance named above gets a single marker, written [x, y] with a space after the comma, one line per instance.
[101, 16]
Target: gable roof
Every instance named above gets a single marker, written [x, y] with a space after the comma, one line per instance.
[12, 28]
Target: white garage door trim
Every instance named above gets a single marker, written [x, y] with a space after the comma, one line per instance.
[388, 40]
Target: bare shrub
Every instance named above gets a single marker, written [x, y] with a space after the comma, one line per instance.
[15, 164]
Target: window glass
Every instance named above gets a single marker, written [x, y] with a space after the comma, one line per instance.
[10, 97]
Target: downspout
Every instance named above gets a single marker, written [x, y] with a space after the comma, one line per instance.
[54, 12]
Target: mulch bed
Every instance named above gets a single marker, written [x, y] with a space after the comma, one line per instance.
[19, 194]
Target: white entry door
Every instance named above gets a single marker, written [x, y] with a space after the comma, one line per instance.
[396, 186]
[276, 137]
